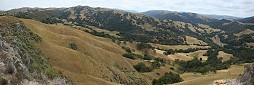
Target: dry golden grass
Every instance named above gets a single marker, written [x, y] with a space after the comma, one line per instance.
[192, 40]
[148, 27]
[225, 56]
[189, 56]
[8, 21]
[94, 62]
[217, 41]
[247, 31]
[185, 56]
[199, 79]
[112, 33]
[250, 44]
[207, 28]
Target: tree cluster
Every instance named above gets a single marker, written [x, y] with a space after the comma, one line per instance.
[171, 51]
[211, 65]
[168, 78]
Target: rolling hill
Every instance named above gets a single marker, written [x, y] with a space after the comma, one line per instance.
[85, 45]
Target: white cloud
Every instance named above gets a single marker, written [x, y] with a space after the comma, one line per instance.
[240, 8]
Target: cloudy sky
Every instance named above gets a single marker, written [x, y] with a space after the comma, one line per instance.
[239, 8]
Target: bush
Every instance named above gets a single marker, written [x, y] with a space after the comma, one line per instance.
[148, 57]
[142, 45]
[141, 67]
[73, 46]
[4, 81]
[156, 64]
[132, 56]
[128, 55]
[162, 60]
[168, 78]
[127, 49]
[168, 52]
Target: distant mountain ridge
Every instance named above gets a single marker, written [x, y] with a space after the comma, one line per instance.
[221, 16]
[247, 20]
[213, 16]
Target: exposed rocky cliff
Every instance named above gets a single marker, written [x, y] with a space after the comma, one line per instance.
[248, 77]
[20, 62]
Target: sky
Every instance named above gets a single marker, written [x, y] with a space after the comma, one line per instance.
[238, 8]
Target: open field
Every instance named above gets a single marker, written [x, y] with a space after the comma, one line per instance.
[199, 79]
[191, 40]
[185, 56]
[225, 56]
[166, 47]
[247, 31]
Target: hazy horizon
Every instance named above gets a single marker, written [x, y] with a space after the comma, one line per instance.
[236, 8]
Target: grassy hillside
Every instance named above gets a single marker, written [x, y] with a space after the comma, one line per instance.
[93, 57]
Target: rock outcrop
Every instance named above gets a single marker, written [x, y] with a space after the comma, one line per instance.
[246, 79]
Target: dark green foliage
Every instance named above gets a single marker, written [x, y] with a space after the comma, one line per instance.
[101, 34]
[172, 68]
[168, 78]
[141, 67]
[10, 68]
[148, 57]
[212, 64]
[127, 49]
[73, 46]
[3, 81]
[142, 45]
[162, 60]
[170, 51]
[132, 56]
[156, 64]
[128, 55]
[51, 21]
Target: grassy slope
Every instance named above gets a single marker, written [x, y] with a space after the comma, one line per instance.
[93, 62]
[192, 40]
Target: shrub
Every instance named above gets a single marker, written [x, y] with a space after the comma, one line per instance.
[132, 56]
[127, 49]
[172, 68]
[4, 81]
[162, 60]
[168, 52]
[156, 64]
[142, 45]
[168, 78]
[73, 46]
[148, 57]
[10, 68]
[128, 55]
[141, 67]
